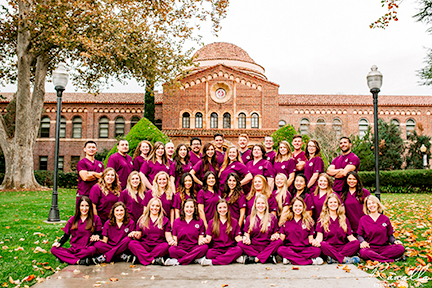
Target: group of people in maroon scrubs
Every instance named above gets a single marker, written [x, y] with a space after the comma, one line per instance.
[212, 205]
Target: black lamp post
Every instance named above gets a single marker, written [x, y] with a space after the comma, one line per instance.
[60, 80]
[374, 80]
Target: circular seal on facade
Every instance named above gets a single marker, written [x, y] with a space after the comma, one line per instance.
[220, 93]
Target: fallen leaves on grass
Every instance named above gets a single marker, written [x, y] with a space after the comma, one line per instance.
[39, 249]
[29, 278]
[114, 279]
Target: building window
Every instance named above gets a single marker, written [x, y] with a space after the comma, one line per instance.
[337, 126]
[186, 120]
[282, 123]
[363, 127]
[60, 163]
[304, 126]
[43, 162]
[227, 120]
[119, 126]
[103, 127]
[134, 121]
[45, 127]
[74, 162]
[410, 127]
[198, 120]
[242, 121]
[62, 127]
[77, 127]
[320, 123]
[213, 120]
[158, 124]
[396, 123]
[255, 120]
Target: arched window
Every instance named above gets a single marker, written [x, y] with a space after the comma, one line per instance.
[363, 127]
[227, 120]
[62, 127]
[213, 120]
[337, 126]
[134, 121]
[320, 122]
[282, 123]
[410, 127]
[158, 124]
[304, 126]
[396, 123]
[76, 127]
[242, 121]
[198, 120]
[103, 127]
[119, 126]
[255, 120]
[45, 127]
[186, 120]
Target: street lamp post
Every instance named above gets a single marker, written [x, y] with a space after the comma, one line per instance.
[374, 80]
[60, 80]
[423, 149]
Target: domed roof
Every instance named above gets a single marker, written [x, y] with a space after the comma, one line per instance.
[222, 50]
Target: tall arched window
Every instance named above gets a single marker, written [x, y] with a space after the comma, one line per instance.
[198, 120]
[134, 121]
[363, 127]
[410, 127]
[255, 120]
[119, 126]
[45, 127]
[242, 121]
[103, 127]
[396, 123]
[186, 120]
[337, 126]
[320, 123]
[304, 126]
[213, 120]
[158, 123]
[62, 127]
[282, 123]
[76, 127]
[227, 120]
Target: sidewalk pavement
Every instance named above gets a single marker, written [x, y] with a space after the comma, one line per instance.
[196, 276]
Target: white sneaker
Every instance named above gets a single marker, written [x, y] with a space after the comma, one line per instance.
[241, 259]
[207, 262]
[317, 261]
[286, 261]
[171, 262]
[199, 260]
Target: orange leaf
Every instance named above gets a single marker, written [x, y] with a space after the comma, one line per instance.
[295, 268]
[429, 257]
[113, 279]
[29, 278]
[421, 261]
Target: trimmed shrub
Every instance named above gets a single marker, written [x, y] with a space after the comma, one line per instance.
[65, 180]
[143, 130]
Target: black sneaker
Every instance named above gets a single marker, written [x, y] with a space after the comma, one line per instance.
[125, 257]
[84, 261]
[249, 260]
[98, 260]
[158, 261]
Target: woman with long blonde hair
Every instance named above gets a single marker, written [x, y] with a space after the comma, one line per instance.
[284, 162]
[153, 235]
[316, 199]
[297, 229]
[334, 233]
[162, 190]
[281, 194]
[141, 153]
[261, 237]
[260, 186]
[133, 195]
[105, 193]
[375, 233]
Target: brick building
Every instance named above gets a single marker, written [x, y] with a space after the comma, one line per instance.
[227, 92]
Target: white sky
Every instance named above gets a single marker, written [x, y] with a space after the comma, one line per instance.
[323, 47]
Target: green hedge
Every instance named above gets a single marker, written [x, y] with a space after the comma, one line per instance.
[65, 180]
[400, 181]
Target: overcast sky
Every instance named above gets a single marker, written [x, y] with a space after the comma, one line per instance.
[323, 47]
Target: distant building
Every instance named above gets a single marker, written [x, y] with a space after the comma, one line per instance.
[227, 93]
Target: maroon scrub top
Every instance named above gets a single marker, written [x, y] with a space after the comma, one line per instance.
[80, 237]
[83, 187]
[123, 165]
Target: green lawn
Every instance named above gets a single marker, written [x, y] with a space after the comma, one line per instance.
[22, 230]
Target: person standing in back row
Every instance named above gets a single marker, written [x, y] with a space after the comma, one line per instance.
[121, 162]
[270, 153]
[195, 153]
[218, 140]
[245, 152]
[298, 154]
[341, 165]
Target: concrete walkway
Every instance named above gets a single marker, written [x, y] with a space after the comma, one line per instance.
[191, 276]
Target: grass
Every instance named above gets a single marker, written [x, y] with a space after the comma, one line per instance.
[24, 212]
[22, 230]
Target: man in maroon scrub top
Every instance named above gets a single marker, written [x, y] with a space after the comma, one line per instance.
[169, 151]
[121, 162]
[89, 170]
[245, 152]
[195, 153]
[220, 154]
[270, 153]
[343, 164]
[298, 154]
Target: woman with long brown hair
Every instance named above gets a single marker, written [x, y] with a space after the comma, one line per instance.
[180, 164]
[157, 162]
[233, 194]
[141, 153]
[314, 165]
[133, 195]
[207, 163]
[185, 190]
